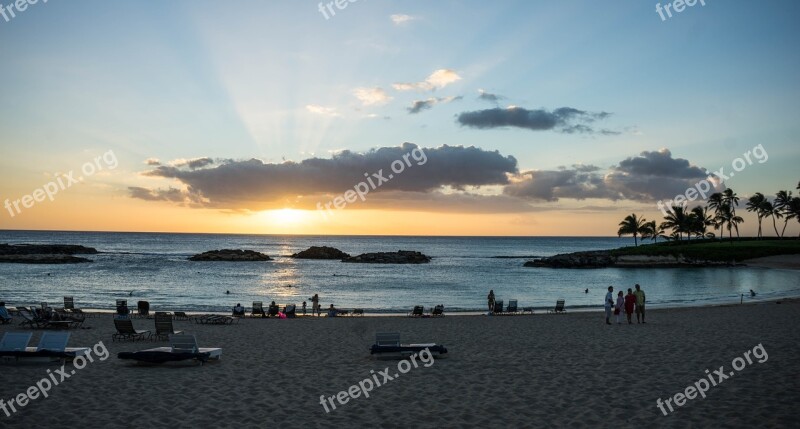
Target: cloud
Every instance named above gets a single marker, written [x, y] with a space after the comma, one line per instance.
[420, 105]
[564, 119]
[401, 19]
[256, 185]
[321, 110]
[152, 161]
[648, 177]
[437, 80]
[193, 163]
[372, 96]
[487, 96]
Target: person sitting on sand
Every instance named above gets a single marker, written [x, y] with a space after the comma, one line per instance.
[609, 304]
[620, 307]
[630, 300]
[752, 293]
[490, 298]
[640, 299]
[4, 313]
[238, 310]
[332, 311]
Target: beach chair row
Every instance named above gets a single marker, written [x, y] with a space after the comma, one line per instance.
[419, 311]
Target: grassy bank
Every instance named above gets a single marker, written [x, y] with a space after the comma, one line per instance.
[715, 250]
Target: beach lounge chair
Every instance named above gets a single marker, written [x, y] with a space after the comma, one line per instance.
[388, 346]
[51, 345]
[527, 310]
[418, 311]
[438, 311]
[559, 308]
[512, 306]
[182, 348]
[358, 312]
[180, 315]
[30, 319]
[69, 303]
[143, 308]
[213, 319]
[273, 310]
[75, 319]
[122, 308]
[258, 309]
[15, 341]
[126, 331]
[498, 307]
[164, 327]
[290, 311]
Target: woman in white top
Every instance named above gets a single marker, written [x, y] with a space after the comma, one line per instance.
[619, 309]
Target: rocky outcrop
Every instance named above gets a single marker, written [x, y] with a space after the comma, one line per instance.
[399, 257]
[321, 252]
[230, 255]
[605, 258]
[43, 253]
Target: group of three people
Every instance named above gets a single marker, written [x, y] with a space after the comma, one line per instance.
[627, 304]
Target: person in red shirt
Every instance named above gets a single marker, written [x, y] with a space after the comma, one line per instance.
[630, 299]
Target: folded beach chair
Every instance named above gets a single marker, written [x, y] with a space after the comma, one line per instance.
[51, 345]
[258, 309]
[498, 307]
[418, 311]
[164, 327]
[559, 307]
[180, 315]
[438, 311]
[143, 308]
[213, 319]
[182, 348]
[512, 306]
[387, 346]
[126, 331]
[122, 308]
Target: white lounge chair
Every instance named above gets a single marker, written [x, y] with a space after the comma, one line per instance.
[387, 346]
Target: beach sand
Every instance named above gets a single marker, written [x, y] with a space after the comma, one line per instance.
[531, 371]
[786, 262]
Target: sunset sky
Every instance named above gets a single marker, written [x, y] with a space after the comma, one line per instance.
[515, 117]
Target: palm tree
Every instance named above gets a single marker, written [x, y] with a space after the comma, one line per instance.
[700, 220]
[782, 199]
[653, 231]
[715, 202]
[756, 204]
[678, 220]
[727, 219]
[794, 208]
[730, 198]
[767, 209]
[632, 225]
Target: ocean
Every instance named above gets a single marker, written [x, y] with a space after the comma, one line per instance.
[154, 267]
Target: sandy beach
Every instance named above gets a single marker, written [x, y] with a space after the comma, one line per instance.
[542, 370]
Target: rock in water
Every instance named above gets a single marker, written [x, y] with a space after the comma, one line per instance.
[231, 255]
[321, 252]
[399, 257]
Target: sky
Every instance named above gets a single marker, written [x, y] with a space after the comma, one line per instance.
[529, 118]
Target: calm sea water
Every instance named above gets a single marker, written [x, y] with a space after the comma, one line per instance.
[154, 267]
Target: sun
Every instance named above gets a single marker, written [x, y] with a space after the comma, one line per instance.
[287, 216]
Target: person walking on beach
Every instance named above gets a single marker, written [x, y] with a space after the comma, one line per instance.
[620, 307]
[609, 304]
[315, 304]
[640, 300]
[630, 301]
[491, 300]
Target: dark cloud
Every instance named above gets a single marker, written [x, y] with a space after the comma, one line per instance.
[254, 184]
[648, 177]
[170, 194]
[491, 98]
[420, 105]
[193, 163]
[564, 119]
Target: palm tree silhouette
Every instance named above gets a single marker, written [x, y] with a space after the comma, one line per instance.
[632, 225]
[756, 204]
[730, 198]
[782, 200]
